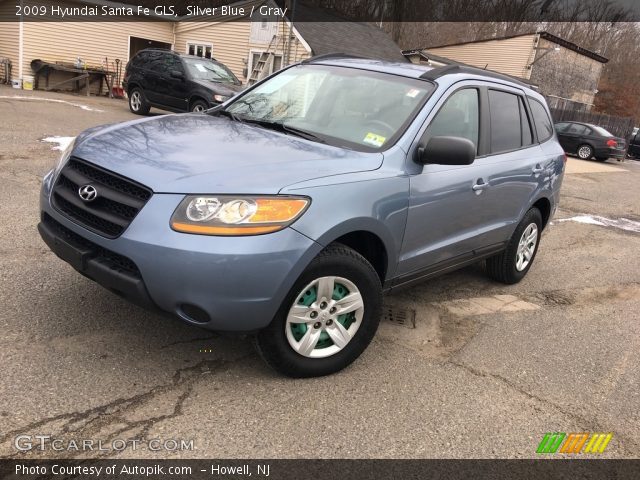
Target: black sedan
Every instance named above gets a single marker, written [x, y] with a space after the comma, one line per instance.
[587, 141]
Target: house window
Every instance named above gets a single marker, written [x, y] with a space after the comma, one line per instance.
[202, 50]
[274, 63]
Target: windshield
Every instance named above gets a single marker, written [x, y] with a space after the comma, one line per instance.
[341, 106]
[203, 69]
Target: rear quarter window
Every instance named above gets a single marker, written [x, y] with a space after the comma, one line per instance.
[541, 119]
[140, 59]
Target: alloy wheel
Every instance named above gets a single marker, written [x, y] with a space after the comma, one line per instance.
[136, 101]
[584, 152]
[526, 246]
[325, 317]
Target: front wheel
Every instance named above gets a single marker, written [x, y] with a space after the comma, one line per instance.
[199, 106]
[514, 262]
[585, 152]
[328, 318]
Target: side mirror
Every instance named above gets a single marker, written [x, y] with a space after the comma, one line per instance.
[447, 151]
[176, 74]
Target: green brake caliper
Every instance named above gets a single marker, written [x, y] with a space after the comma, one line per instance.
[299, 329]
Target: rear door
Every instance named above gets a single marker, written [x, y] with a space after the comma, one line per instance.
[177, 88]
[154, 85]
[515, 165]
[575, 136]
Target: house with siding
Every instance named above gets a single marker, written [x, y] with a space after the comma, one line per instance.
[566, 73]
[238, 42]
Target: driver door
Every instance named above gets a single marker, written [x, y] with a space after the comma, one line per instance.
[445, 215]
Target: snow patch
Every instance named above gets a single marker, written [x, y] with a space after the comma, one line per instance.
[52, 100]
[621, 223]
[62, 142]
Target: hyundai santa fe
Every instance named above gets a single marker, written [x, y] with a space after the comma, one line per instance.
[289, 210]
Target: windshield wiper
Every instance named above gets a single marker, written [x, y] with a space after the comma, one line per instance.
[282, 127]
[217, 111]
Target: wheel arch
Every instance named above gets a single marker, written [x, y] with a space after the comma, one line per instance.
[544, 205]
[370, 239]
[194, 98]
[133, 85]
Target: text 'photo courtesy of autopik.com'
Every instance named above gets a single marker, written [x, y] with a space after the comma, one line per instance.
[319, 239]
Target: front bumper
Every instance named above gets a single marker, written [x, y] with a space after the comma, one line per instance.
[220, 283]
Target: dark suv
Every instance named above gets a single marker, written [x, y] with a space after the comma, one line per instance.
[179, 83]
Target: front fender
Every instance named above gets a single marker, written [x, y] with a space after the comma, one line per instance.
[378, 206]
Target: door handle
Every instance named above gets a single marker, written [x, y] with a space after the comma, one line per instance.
[480, 185]
[537, 169]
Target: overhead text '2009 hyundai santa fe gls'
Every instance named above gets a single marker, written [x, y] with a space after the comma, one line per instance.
[288, 210]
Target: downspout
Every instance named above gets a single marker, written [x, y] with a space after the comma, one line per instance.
[20, 43]
[175, 36]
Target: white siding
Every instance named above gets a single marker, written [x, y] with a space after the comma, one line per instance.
[510, 55]
[231, 42]
[9, 32]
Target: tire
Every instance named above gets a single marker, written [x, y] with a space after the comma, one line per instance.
[508, 266]
[137, 102]
[346, 270]
[585, 152]
[199, 106]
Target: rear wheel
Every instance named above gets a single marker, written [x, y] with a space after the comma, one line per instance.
[585, 152]
[137, 103]
[511, 265]
[328, 318]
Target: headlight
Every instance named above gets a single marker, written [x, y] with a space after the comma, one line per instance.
[66, 153]
[221, 98]
[236, 215]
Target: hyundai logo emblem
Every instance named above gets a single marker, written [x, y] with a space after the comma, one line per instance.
[88, 193]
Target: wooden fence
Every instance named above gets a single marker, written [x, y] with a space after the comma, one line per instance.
[618, 126]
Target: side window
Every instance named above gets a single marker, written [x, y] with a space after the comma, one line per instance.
[577, 129]
[172, 63]
[505, 121]
[525, 125]
[156, 62]
[541, 120]
[561, 127]
[458, 117]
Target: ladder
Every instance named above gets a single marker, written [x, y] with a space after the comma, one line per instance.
[258, 71]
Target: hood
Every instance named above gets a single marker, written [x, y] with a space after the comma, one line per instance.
[195, 153]
[220, 88]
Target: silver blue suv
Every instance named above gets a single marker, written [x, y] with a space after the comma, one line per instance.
[290, 209]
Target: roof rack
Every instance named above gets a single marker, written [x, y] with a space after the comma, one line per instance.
[451, 69]
[329, 56]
